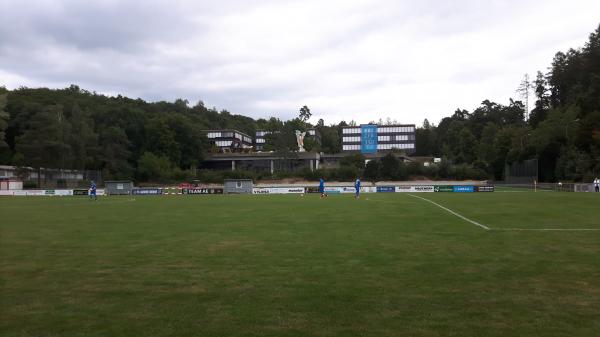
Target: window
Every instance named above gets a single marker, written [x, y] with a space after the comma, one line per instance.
[351, 139]
[213, 135]
[383, 138]
[260, 140]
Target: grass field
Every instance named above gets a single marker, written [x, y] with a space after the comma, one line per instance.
[384, 265]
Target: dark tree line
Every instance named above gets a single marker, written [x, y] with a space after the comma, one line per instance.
[131, 138]
[563, 131]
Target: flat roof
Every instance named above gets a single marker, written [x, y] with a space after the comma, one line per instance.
[227, 130]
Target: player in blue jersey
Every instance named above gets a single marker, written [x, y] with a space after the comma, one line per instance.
[322, 188]
[93, 191]
[357, 188]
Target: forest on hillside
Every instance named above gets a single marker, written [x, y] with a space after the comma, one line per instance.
[133, 139]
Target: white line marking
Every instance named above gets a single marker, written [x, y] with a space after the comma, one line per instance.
[451, 211]
[546, 229]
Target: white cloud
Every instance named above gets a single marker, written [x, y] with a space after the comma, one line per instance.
[346, 60]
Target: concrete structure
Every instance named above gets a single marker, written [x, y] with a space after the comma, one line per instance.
[389, 137]
[10, 184]
[238, 186]
[120, 187]
[262, 161]
[49, 178]
[273, 162]
[331, 161]
[228, 140]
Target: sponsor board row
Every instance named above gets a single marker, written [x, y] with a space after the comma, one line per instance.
[169, 191]
[47, 193]
[434, 188]
[267, 190]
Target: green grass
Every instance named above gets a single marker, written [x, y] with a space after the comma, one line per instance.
[384, 265]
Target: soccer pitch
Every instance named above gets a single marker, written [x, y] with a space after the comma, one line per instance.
[472, 264]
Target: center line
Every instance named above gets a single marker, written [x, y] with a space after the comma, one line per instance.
[453, 212]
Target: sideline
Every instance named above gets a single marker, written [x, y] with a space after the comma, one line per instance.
[452, 212]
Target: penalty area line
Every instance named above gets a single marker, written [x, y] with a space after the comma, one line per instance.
[453, 212]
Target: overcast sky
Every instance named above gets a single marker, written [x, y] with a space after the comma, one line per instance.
[345, 59]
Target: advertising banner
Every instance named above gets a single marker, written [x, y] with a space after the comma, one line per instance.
[423, 188]
[333, 190]
[36, 193]
[312, 189]
[485, 188]
[146, 191]
[348, 190]
[414, 189]
[386, 189]
[368, 189]
[278, 190]
[443, 188]
[49, 192]
[463, 189]
[20, 193]
[202, 191]
[368, 138]
[63, 193]
[80, 192]
[6, 192]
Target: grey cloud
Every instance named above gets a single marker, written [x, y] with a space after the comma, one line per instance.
[346, 59]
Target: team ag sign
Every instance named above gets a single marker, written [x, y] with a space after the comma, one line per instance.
[202, 191]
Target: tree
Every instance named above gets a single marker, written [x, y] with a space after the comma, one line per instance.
[372, 170]
[523, 90]
[305, 114]
[542, 103]
[45, 141]
[4, 117]
[356, 161]
[154, 168]
[390, 165]
[82, 139]
[115, 154]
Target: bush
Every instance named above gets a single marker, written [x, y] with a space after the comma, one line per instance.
[154, 168]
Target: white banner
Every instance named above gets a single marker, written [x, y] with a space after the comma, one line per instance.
[278, 190]
[63, 192]
[414, 189]
[6, 192]
[369, 189]
[35, 192]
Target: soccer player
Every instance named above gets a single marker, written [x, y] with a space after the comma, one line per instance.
[322, 187]
[597, 185]
[93, 191]
[357, 188]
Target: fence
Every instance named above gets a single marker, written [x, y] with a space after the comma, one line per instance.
[521, 172]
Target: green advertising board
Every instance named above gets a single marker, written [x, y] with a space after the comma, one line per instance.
[443, 188]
